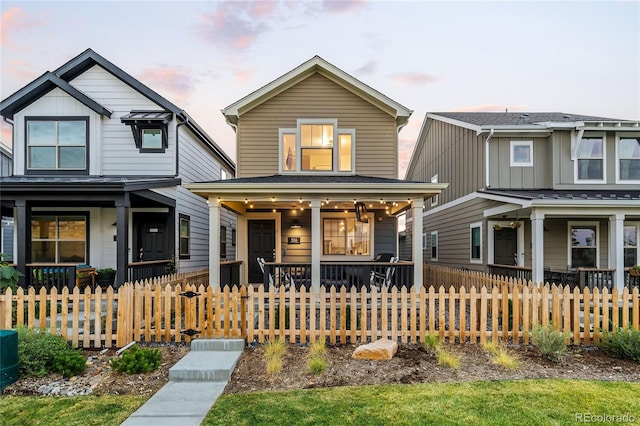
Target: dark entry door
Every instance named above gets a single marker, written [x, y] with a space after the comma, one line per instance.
[262, 243]
[151, 239]
[505, 246]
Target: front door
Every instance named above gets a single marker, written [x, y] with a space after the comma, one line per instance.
[262, 243]
[505, 246]
[151, 240]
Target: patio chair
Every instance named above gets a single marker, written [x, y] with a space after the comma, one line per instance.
[379, 278]
[261, 263]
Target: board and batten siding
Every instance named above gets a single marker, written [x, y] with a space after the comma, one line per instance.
[119, 155]
[503, 175]
[376, 151]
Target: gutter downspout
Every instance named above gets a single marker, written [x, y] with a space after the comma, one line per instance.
[486, 159]
[235, 130]
[185, 120]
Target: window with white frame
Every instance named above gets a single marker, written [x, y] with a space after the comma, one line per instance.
[185, 237]
[590, 159]
[434, 199]
[475, 242]
[583, 244]
[59, 238]
[434, 245]
[628, 159]
[630, 241]
[223, 242]
[317, 145]
[346, 236]
[521, 153]
[57, 143]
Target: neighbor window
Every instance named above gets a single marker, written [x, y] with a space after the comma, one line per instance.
[57, 144]
[346, 236]
[590, 159]
[316, 145]
[629, 159]
[630, 238]
[475, 242]
[434, 245]
[223, 242]
[233, 238]
[584, 245]
[434, 199]
[185, 236]
[521, 153]
[59, 239]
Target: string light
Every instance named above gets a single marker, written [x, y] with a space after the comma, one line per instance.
[246, 200]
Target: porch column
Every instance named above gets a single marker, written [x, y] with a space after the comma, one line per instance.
[214, 242]
[242, 254]
[122, 240]
[316, 245]
[537, 247]
[616, 248]
[417, 255]
[23, 231]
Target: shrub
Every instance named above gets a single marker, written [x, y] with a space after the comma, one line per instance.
[431, 343]
[448, 359]
[135, 360]
[37, 351]
[9, 276]
[504, 359]
[318, 348]
[622, 343]
[274, 365]
[491, 347]
[550, 342]
[317, 364]
[69, 363]
[273, 353]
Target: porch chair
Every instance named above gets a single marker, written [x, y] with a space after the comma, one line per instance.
[261, 263]
[284, 277]
[379, 278]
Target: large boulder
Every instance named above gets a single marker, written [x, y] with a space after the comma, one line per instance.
[380, 350]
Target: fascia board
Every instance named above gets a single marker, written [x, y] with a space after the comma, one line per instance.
[454, 122]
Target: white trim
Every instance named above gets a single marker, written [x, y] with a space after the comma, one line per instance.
[434, 233]
[454, 122]
[635, 224]
[339, 257]
[604, 160]
[281, 133]
[571, 224]
[435, 198]
[617, 159]
[521, 204]
[491, 242]
[514, 144]
[471, 227]
[336, 152]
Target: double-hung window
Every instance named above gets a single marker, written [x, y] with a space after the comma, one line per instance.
[583, 244]
[434, 245]
[628, 159]
[475, 242]
[223, 242]
[185, 236]
[590, 159]
[59, 238]
[317, 145]
[58, 144]
[630, 239]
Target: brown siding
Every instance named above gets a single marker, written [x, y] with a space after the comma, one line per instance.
[502, 175]
[317, 97]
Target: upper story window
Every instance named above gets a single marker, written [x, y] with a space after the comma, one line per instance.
[150, 129]
[317, 145]
[590, 164]
[521, 153]
[628, 150]
[435, 199]
[57, 144]
[185, 236]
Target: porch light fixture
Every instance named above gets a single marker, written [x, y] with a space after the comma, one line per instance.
[295, 225]
[273, 199]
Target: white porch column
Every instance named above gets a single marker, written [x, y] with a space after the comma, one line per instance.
[616, 248]
[214, 242]
[416, 252]
[241, 247]
[316, 245]
[537, 246]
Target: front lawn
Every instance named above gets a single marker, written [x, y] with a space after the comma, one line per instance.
[510, 402]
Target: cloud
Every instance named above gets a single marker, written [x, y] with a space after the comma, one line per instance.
[243, 76]
[368, 68]
[413, 78]
[6, 134]
[177, 81]
[236, 24]
[490, 108]
[20, 70]
[341, 6]
[15, 20]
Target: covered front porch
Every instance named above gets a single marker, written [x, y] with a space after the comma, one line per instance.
[586, 239]
[315, 230]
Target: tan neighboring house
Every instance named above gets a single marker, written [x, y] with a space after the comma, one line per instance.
[548, 196]
[316, 190]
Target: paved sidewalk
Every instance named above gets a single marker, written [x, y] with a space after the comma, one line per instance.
[195, 383]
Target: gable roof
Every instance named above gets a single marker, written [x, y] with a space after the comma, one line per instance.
[308, 68]
[41, 86]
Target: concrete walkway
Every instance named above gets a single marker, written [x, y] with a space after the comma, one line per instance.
[195, 383]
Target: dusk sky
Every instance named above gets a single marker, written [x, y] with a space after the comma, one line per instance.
[573, 57]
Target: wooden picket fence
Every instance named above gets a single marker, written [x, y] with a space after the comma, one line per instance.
[179, 308]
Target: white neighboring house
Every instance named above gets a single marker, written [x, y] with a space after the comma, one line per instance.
[6, 228]
[99, 163]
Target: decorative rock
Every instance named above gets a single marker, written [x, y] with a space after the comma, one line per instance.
[382, 349]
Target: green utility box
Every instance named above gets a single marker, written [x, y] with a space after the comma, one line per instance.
[8, 358]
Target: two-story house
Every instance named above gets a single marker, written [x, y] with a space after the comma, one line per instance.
[544, 194]
[99, 165]
[316, 189]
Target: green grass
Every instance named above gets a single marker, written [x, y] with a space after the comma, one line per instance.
[80, 411]
[510, 402]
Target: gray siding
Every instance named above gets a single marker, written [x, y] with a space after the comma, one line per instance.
[502, 175]
[6, 164]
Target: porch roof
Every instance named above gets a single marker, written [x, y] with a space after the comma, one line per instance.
[21, 184]
[567, 198]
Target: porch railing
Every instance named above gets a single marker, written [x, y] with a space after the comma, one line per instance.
[50, 275]
[509, 271]
[230, 272]
[340, 274]
[138, 271]
[595, 278]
